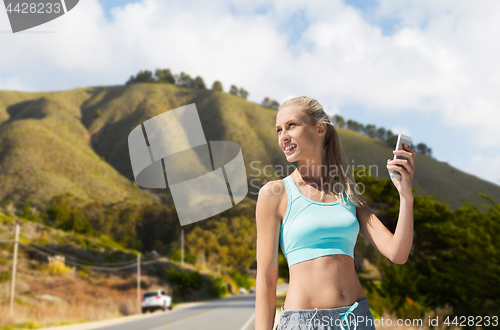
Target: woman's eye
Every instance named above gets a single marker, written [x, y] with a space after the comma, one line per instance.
[279, 130]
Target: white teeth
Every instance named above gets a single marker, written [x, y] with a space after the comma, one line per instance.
[290, 146]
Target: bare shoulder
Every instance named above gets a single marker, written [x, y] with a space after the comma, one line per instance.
[271, 199]
[274, 188]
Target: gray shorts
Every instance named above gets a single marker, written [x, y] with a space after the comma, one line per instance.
[354, 317]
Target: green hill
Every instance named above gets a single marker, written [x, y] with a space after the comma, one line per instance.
[76, 141]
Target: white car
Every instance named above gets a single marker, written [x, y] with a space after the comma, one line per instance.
[243, 290]
[156, 299]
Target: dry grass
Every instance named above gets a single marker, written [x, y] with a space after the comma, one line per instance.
[48, 314]
[46, 300]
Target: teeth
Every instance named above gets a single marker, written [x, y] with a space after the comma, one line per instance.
[289, 147]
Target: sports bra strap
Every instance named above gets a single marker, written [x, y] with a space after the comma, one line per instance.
[291, 188]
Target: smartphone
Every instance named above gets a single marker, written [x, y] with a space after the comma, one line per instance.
[399, 146]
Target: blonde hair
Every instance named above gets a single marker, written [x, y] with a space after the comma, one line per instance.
[334, 155]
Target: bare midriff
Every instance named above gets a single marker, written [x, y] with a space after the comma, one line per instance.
[324, 283]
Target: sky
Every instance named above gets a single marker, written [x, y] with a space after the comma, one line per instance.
[428, 69]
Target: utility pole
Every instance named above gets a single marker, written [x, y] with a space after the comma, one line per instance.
[13, 274]
[139, 280]
[182, 247]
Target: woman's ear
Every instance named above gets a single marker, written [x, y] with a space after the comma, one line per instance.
[322, 128]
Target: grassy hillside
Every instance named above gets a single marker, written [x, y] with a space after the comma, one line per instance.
[45, 150]
[76, 141]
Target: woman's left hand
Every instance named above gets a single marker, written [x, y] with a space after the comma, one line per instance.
[407, 169]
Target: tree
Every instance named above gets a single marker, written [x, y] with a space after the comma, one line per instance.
[391, 139]
[423, 149]
[351, 124]
[164, 76]
[199, 83]
[217, 86]
[370, 130]
[243, 93]
[185, 80]
[131, 80]
[233, 90]
[381, 134]
[270, 103]
[338, 121]
[144, 76]
[275, 105]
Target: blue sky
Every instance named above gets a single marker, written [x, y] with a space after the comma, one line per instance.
[417, 68]
[388, 25]
[107, 5]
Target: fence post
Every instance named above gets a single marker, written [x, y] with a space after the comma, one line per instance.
[13, 274]
[139, 280]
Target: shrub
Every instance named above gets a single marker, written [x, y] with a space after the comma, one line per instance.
[241, 280]
[188, 257]
[220, 286]
[185, 281]
[84, 272]
[58, 268]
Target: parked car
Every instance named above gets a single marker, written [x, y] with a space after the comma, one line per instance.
[252, 290]
[156, 299]
[243, 290]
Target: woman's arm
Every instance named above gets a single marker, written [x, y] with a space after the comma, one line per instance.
[395, 247]
[268, 222]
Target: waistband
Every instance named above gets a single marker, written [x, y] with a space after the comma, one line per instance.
[360, 304]
[360, 307]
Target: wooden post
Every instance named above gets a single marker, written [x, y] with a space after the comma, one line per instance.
[13, 274]
[182, 247]
[139, 281]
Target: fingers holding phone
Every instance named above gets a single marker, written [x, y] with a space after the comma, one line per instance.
[404, 164]
[403, 158]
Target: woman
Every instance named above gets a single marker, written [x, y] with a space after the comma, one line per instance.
[316, 220]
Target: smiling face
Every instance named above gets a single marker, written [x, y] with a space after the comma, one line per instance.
[294, 128]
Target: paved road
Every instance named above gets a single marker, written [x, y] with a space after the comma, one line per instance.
[233, 313]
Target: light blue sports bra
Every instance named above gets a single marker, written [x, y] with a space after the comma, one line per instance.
[312, 229]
